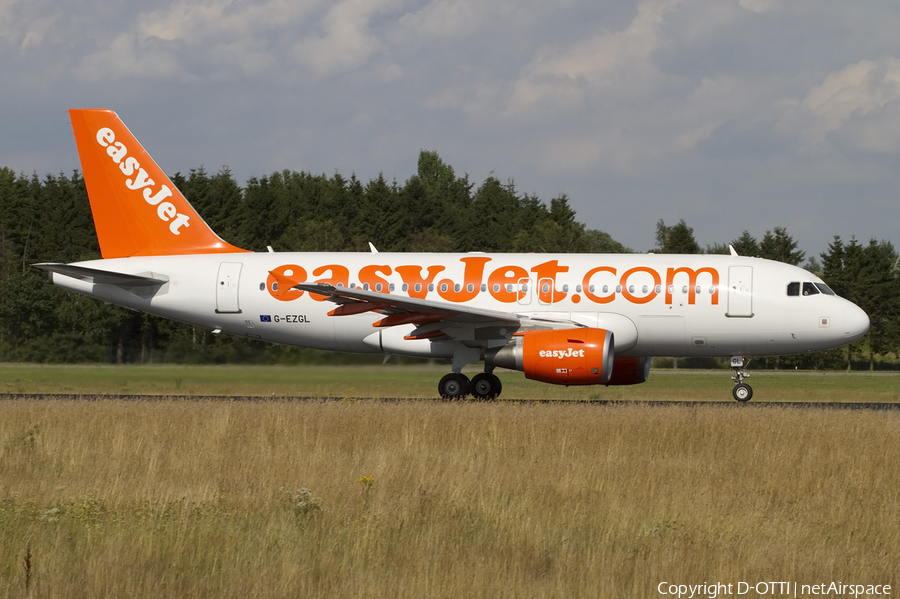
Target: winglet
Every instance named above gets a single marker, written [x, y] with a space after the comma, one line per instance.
[137, 210]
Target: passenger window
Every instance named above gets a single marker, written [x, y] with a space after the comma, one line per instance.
[810, 289]
[793, 289]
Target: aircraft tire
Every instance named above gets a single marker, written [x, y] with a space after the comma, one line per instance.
[486, 386]
[454, 386]
[742, 392]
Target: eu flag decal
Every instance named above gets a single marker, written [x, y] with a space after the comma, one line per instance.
[265, 318]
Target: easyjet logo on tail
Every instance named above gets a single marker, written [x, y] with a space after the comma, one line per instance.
[138, 180]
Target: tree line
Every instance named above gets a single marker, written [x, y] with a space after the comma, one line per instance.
[49, 220]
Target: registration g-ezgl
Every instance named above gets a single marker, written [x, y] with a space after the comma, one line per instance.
[290, 318]
[567, 319]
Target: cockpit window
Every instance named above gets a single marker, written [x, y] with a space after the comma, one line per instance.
[794, 289]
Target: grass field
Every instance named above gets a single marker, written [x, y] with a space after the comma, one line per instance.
[421, 382]
[171, 498]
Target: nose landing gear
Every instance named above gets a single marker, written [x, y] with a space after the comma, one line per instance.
[742, 391]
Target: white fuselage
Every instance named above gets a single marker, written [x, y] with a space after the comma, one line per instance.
[659, 305]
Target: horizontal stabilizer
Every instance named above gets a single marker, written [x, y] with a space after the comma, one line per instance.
[101, 277]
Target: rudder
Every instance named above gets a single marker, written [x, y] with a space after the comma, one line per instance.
[137, 210]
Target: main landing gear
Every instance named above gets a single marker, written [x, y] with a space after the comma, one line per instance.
[456, 386]
[742, 391]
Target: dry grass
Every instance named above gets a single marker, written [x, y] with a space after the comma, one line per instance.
[425, 499]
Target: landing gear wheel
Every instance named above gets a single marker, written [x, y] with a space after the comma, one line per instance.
[742, 392]
[454, 386]
[486, 386]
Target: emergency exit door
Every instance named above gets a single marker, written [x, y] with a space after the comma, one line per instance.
[740, 292]
[227, 285]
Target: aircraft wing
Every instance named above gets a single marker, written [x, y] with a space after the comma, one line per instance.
[433, 319]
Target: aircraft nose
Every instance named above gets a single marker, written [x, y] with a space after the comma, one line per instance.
[855, 323]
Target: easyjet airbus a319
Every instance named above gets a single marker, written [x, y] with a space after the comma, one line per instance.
[565, 319]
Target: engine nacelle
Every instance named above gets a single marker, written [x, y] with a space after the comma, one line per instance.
[582, 356]
[630, 370]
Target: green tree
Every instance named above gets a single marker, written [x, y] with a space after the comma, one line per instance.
[868, 276]
[675, 239]
[746, 245]
[778, 245]
[497, 209]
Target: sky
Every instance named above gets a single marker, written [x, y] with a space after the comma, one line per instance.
[730, 114]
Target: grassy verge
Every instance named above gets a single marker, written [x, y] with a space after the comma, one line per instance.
[421, 382]
[422, 499]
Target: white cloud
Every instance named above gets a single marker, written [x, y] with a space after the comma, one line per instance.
[443, 19]
[220, 20]
[859, 101]
[129, 57]
[562, 96]
[346, 42]
[620, 61]
[26, 25]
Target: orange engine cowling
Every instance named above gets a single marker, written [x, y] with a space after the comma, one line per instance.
[581, 356]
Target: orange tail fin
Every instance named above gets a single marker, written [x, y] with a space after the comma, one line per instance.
[137, 210]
